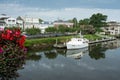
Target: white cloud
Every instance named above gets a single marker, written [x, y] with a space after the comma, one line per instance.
[53, 14]
[102, 1]
[79, 13]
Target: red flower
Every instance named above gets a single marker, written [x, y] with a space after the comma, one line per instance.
[17, 33]
[13, 36]
[21, 41]
[7, 34]
[1, 50]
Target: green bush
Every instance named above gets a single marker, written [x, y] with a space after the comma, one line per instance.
[12, 28]
[60, 29]
[92, 37]
[33, 31]
[51, 29]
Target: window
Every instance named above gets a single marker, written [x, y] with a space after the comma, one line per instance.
[9, 20]
[13, 20]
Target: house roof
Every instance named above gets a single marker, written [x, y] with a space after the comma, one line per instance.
[19, 18]
[2, 16]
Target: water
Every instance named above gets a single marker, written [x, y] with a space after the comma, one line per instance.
[98, 62]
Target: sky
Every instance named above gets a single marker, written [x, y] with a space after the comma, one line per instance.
[50, 10]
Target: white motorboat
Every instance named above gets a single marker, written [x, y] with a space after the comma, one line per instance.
[77, 43]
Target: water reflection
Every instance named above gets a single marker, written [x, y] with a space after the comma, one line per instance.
[76, 54]
[95, 51]
[58, 56]
[34, 57]
[61, 51]
[52, 54]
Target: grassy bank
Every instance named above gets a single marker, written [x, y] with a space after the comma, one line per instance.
[30, 42]
[92, 37]
[45, 42]
[42, 43]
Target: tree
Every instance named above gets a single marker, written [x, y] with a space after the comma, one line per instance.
[51, 29]
[33, 31]
[85, 21]
[85, 26]
[62, 28]
[98, 20]
[87, 29]
[75, 23]
[40, 20]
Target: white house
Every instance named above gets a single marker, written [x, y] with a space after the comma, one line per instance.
[27, 22]
[3, 17]
[7, 21]
[10, 22]
[65, 23]
[20, 22]
[30, 22]
[113, 28]
[45, 25]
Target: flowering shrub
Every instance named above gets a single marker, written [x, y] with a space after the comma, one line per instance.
[12, 51]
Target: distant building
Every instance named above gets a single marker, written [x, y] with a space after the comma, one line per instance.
[7, 21]
[10, 22]
[64, 23]
[44, 25]
[27, 22]
[20, 22]
[3, 18]
[113, 28]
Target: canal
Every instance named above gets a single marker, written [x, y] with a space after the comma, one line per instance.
[98, 62]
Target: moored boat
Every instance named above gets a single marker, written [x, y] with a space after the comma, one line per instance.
[77, 43]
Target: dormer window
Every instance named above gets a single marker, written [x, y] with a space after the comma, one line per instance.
[9, 20]
[13, 20]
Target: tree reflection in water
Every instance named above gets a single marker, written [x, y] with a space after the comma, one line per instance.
[34, 56]
[97, 51]
[52, 54]
[9, 67]
[61, 51]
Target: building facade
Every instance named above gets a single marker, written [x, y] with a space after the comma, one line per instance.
[31, 22]
[10, 22]
[6, 21]
[20, 22]
[44, 25]
[64, 23]
[113, 28]
[27, 22]
[3, 18]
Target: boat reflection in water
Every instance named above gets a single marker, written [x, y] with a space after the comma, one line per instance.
[54, 53]
[94, 51]
[77, 54]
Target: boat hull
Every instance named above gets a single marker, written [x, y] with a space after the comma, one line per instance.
[71, 46]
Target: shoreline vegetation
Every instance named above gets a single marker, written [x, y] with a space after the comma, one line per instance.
[43, 43]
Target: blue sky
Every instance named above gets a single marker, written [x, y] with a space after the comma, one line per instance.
[62, 9]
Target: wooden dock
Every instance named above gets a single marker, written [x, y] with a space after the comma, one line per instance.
[61, 46]
[103, 40]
